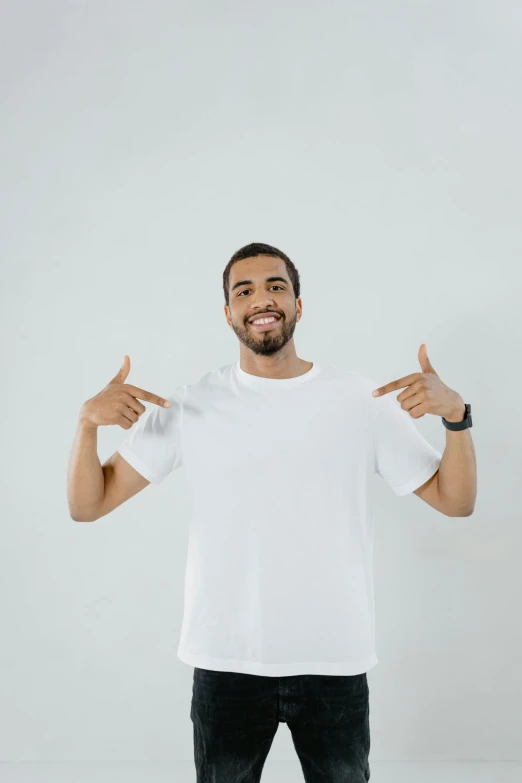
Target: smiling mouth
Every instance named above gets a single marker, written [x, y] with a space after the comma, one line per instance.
[263, 327]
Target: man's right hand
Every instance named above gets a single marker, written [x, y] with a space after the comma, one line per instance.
[118, 402]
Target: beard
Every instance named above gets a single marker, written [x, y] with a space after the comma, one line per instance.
[269, 342]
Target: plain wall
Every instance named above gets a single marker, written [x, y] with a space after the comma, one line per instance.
[143, 143]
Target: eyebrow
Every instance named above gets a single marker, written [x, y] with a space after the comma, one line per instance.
[249, 282]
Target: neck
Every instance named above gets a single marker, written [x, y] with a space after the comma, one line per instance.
[277, 366]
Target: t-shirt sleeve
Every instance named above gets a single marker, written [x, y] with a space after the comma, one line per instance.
[403, 457]
[153, 445]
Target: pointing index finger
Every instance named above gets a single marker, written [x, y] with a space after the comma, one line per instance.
[398, 384]
[141, 394]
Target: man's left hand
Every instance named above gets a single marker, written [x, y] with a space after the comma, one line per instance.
[424, 392]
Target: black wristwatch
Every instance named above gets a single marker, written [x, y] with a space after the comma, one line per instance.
[460, 425]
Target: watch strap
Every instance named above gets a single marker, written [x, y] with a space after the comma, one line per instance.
[460, 425]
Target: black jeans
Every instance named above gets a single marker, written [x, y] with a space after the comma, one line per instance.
[235, 717]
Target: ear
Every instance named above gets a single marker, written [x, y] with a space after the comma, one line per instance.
[227, 315]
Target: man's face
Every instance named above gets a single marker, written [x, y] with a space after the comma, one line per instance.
[262, 297]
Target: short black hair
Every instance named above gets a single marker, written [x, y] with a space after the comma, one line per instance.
[260, 249]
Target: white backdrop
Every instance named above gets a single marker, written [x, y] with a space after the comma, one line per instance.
[143, 143]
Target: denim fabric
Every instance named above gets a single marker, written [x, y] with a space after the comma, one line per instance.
[235, 717]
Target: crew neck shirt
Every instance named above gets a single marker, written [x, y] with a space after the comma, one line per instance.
[279, 569]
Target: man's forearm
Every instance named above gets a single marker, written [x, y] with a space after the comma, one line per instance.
[85, 481]
[457, 481]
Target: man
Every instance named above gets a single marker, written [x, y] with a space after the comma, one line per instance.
[278, 616]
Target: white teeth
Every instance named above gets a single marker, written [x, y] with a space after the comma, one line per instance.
[265, 321]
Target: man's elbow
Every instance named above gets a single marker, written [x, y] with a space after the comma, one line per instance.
[79, 518]
[466, 513]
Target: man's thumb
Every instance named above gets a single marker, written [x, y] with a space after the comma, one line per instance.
[123, 371]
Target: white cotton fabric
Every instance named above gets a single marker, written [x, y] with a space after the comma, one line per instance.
[279, 574]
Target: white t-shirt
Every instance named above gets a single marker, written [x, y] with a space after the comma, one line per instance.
[279, 575]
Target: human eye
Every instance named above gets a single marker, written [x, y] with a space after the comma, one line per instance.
[275, 285]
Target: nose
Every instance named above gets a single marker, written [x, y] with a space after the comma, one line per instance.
[261, 304]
